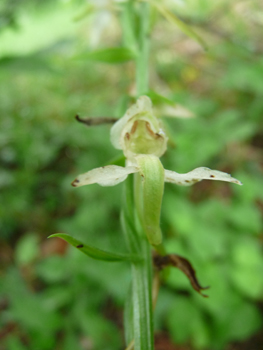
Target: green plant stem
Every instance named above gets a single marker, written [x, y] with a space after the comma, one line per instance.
[142, 300]
[139, 320]
[142, 61]
[142, 275]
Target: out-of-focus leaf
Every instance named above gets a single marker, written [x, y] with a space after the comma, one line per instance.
[33, 62]
[56, 297]
[159, 99]
[246, 273]
[27, 249]
[243, 76]
[251, 315]
[182, 315]
[95, 253]
[240, 214]
[53, 269]
[185, 28]
[86, 11]
[118, 160]
[176, 111]
[14, 343]
[110, 55]
[167, 107]
[27, 309]
[99, 329]
[70, 340]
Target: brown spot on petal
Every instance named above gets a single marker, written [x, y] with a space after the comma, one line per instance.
[127, 136]
[148, 128]
[212, 176]
[187, 181]
[134, 127]
[168, 179]
[74, 183]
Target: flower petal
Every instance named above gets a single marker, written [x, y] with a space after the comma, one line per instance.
[197, 175]
[109, 175]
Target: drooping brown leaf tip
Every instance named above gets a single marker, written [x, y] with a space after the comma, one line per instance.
[95, 121]
[182, 264]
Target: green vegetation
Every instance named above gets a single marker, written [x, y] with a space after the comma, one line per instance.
[52, 296]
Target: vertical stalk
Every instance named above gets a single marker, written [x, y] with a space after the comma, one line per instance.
[142, 61]
[142, 300]
[142, 273]
[142, 279]
[139, 315]
[139, 322]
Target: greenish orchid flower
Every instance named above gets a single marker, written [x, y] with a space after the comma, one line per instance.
[141, 137]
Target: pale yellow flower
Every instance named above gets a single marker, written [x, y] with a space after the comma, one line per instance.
[139, 134]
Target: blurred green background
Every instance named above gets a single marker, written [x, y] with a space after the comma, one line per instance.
[53, 297]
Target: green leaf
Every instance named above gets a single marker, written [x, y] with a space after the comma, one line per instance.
[96, 253]
[53, 269]
[159, 99]
[181, 317]
[14, 343]
[251, 314]
[167, 107]
[27, 249]
[28, 63]
[111, 55]
[86, 11]
[246, 272]
[185, 28]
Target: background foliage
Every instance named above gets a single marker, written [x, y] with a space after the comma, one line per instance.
[52, 297]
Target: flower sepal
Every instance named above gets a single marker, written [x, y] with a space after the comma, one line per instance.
[197, 175]
[109, 175]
